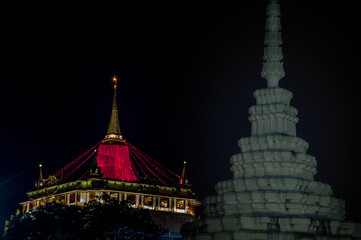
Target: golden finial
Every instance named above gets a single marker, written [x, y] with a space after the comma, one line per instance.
[115, 81]
[184, 169]
[41, 172]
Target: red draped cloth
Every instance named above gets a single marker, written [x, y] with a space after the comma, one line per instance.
[115, 162]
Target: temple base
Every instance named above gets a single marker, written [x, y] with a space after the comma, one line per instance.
[265, 228]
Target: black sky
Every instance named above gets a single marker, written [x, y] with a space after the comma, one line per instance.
[187, 75]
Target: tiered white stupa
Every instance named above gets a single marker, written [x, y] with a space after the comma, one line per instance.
[273, 194]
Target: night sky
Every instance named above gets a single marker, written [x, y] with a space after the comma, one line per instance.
[186, 79]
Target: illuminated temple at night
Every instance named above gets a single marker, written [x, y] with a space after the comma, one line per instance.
[273, 194]
[117, 168]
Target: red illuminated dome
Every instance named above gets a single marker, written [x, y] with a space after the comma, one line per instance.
[115, 163]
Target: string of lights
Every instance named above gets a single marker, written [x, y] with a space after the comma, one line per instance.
[152, 160]
[71, 172]
[69, 165]
[121, 162]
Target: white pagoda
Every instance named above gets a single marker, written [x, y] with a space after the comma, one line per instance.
[273, 194]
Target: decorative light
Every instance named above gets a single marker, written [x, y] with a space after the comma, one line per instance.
[115, 81]
[114, 136]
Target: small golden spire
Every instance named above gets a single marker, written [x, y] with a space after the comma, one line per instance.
[184, 170]
[115, 80]
[41, 172]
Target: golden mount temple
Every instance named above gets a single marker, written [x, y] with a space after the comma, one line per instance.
[124, 173]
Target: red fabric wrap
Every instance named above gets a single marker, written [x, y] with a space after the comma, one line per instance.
[115, 162]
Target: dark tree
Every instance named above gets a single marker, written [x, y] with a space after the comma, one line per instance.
[109, 220]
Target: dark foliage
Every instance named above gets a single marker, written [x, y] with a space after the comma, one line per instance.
[109, 220]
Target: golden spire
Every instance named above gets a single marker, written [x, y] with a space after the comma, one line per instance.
[184, 170]
[115, 81]
[114, 129]
[41, 172]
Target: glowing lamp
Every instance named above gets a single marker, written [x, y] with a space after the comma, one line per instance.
[115, 82]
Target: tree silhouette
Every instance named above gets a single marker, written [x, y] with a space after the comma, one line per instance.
[109, 220]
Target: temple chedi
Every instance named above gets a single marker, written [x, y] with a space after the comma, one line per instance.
[273, 194]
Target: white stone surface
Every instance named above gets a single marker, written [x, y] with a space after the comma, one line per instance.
[273, 194]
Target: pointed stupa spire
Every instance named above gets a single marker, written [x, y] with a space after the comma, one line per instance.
[272, 69]
[41, 172]
[94, 162]
[184, 170]
[95, 170]
[114, 129]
